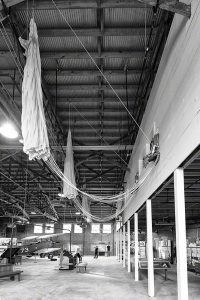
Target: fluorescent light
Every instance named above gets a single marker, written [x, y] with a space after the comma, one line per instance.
[77, 213]
[33, 213]
[8, 131]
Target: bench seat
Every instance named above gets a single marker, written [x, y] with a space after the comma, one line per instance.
[157, 265]
[67, 266]
[80, 266]
[11, 274]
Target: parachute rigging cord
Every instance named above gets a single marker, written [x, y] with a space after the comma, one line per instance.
[124, 198]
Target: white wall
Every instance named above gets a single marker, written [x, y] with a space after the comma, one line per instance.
[174, 106]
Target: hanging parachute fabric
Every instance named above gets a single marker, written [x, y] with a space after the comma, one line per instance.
[34, 130]
[68, 190]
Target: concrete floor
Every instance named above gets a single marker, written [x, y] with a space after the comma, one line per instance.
[105, 279]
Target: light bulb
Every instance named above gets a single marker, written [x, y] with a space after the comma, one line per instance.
[8, 131]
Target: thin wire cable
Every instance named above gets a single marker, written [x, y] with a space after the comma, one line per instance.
[116, 94]
[145, 27]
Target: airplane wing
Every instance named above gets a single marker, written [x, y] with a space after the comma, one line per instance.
[47, 250]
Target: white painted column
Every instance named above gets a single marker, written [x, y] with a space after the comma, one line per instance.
[150, 249]
[124, 246]
[120, 245]
[136, 246]
[129, 246]
[116, 243]
[181, 254]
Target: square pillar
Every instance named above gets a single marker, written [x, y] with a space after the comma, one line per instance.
[150, 249]
[124, 246]
[129, 246]
[181, 251]
[136, 246]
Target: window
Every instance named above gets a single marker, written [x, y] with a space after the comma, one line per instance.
[38, 228]
[95, 228]
[77, 229]
[49, 228]
[67, 227]
[106, 228]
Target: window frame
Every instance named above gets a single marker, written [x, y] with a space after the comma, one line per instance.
[95, 224]
[67, 230]
[77, 226]
[52, 228]
[103, 230]
[38, 225]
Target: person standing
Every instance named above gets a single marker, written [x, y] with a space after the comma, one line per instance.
[108, 249]
[96, 252]
[174, 255]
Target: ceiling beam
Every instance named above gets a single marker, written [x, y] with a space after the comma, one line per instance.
[78, 148]
[82, 55]
[75, 4]
[70, 72]
[94, 32]
[10, 3]
[86, 87]
[171, 5]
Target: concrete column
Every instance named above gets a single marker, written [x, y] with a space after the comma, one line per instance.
[181, 254]
[150, 249]
[124, 246]
[129, 245]
[136, 246]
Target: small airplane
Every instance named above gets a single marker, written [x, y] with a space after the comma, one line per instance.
[43, 245]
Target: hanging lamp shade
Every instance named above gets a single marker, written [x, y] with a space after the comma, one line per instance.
[33, 124]
[69, 191]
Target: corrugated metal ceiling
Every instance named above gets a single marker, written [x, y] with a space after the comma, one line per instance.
[83, 99]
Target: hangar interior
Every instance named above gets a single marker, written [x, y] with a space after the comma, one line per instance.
[122, 77]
